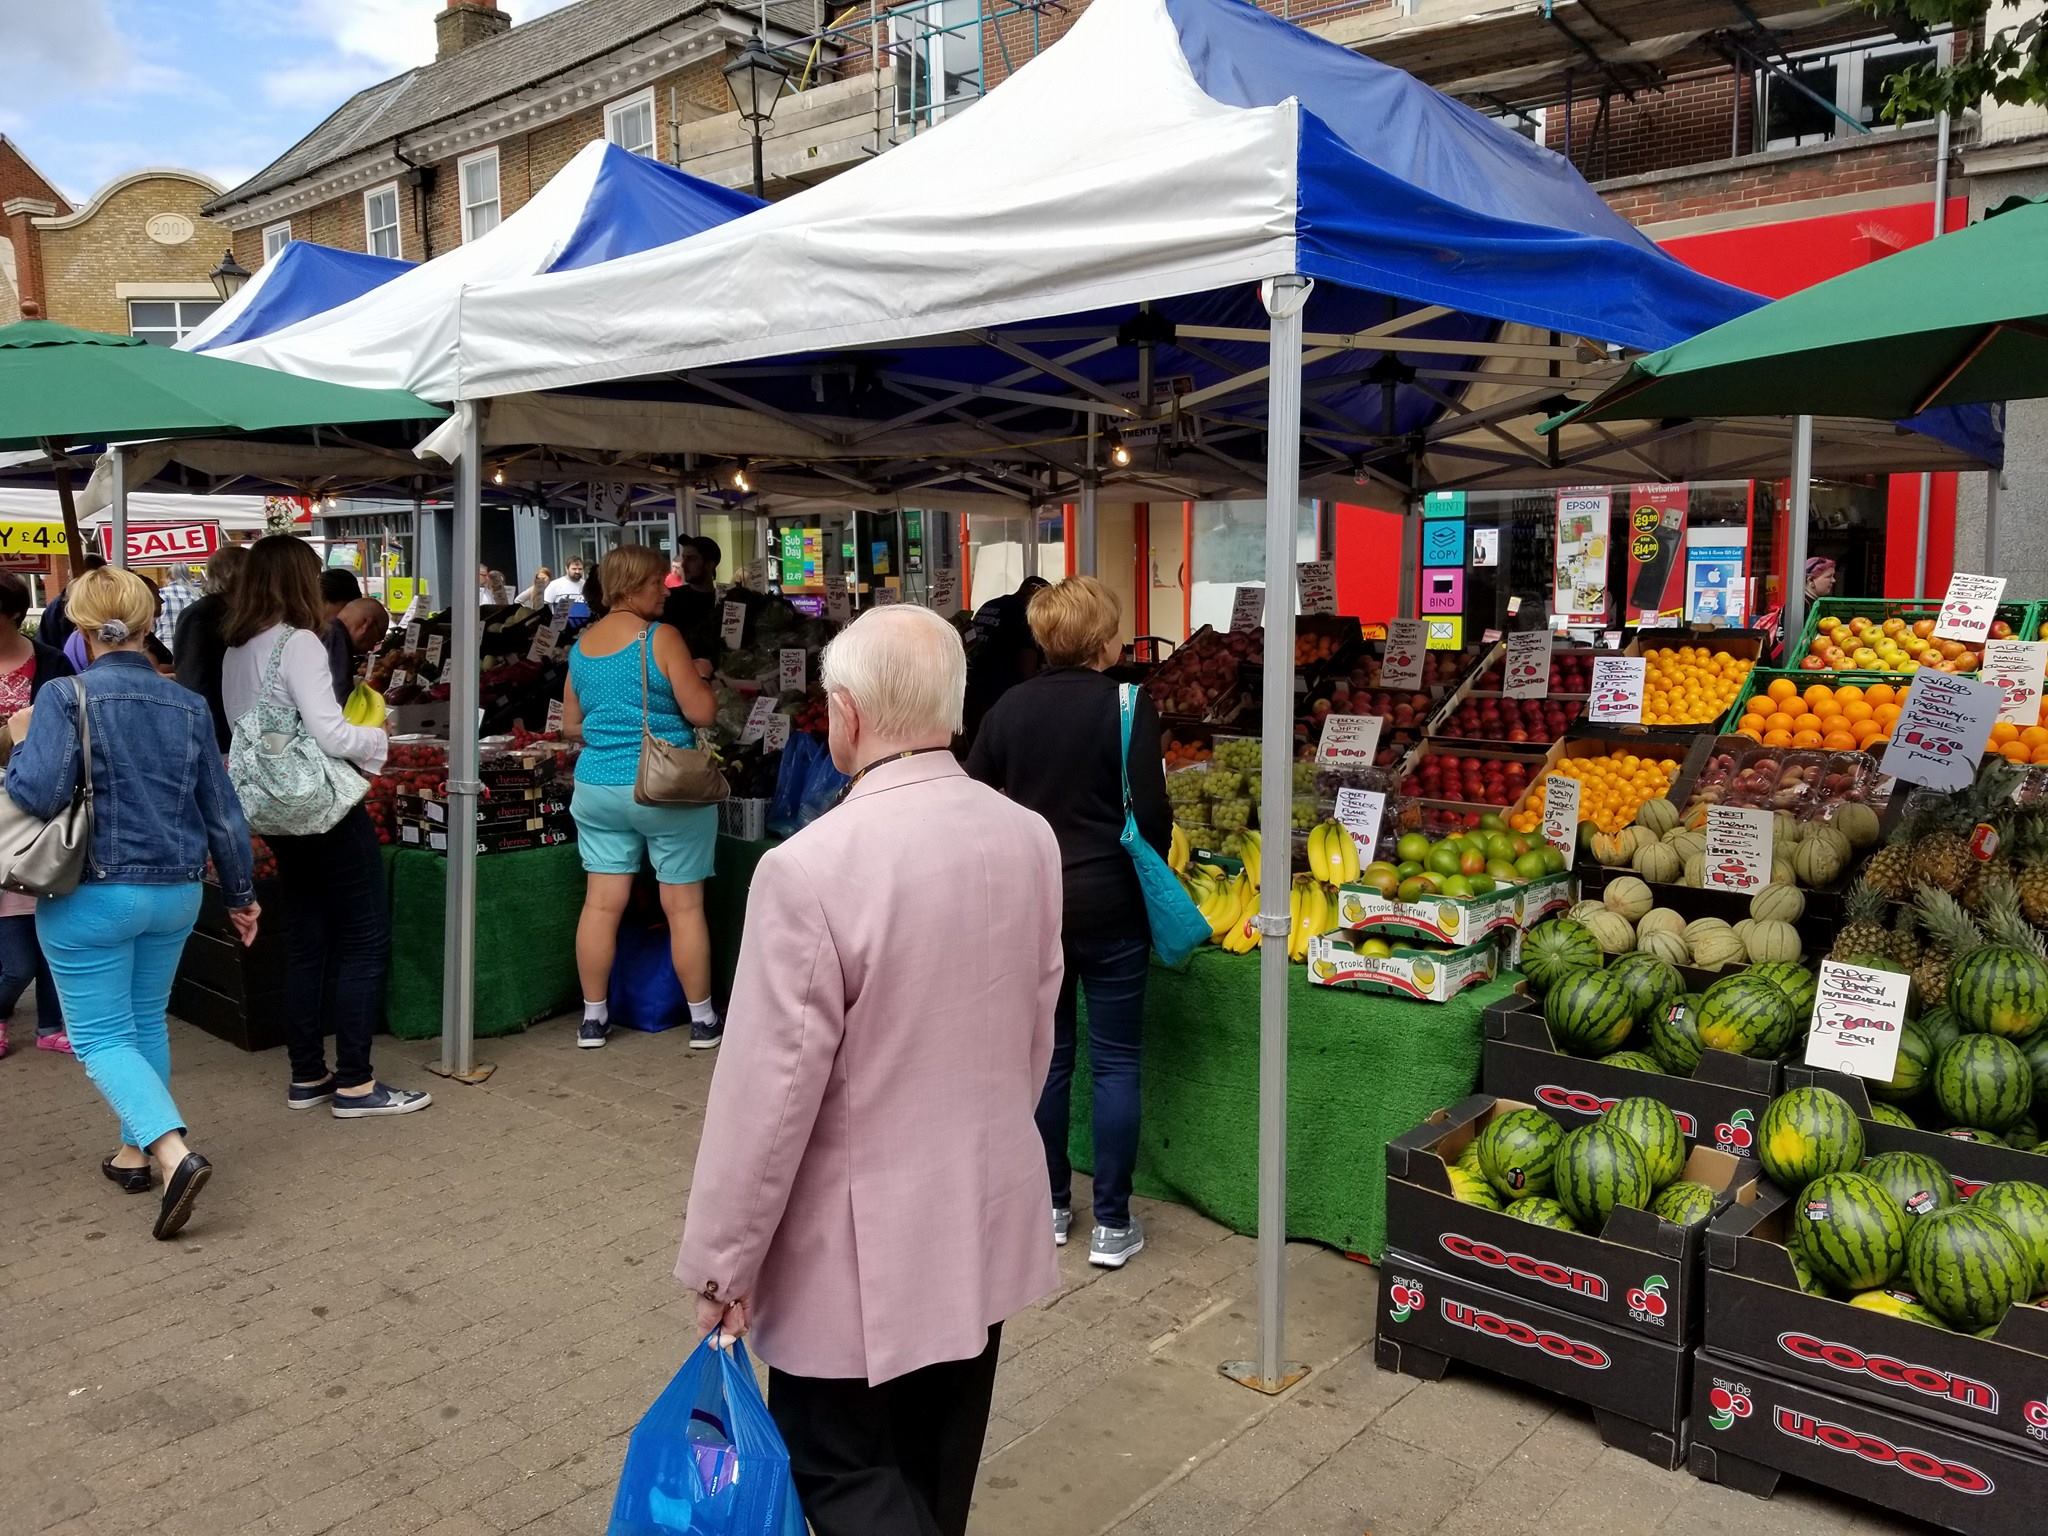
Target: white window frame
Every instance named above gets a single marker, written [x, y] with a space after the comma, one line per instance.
[615, 110]
[496, 200]
[180, 326]
[914, 36]
[396, 226]
[1849, 83]
[275, 238]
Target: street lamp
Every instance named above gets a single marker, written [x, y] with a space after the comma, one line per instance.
[755, 77]
[228, 277]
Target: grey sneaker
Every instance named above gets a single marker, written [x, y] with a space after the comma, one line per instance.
[1062, 1224]
[1114, 1247]
[591, 1034]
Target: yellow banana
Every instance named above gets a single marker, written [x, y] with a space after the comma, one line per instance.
[1329, 914]
[1253, 844]
[1347, 846]
[1303, 901]
[1177, 849]
[1318, 862]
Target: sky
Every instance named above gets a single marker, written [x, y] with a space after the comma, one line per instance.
[99, 88]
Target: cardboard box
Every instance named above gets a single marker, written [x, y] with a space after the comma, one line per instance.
[1637, 1387]
[1753, 1427]
[1718, 1106]
[436, 839]
[1640, 1273]
[1970, 1164]
[1453, 920]
[1981, 1388]
[1539, 899]
[1427, 975]
[511, 806]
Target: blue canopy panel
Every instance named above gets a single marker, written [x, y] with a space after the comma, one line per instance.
[637, 203]
[302, 280]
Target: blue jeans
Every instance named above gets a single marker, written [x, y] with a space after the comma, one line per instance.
[114, 950]
[1113, 972]
[21, 962]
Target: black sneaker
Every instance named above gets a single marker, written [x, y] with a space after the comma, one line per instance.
[705, 1037]
[591, 1034]
[382, 1099]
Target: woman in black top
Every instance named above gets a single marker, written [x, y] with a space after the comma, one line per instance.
[1054, 743]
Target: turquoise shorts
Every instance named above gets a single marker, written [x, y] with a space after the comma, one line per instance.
[617, 835]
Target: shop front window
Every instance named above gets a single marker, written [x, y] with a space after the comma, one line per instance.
[1230, 552]
[1838, 89]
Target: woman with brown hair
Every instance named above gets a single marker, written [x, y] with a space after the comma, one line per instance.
[340, 928]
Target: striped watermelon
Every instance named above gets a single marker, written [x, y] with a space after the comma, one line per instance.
[1469, 1158]
[1683, 1204]
[1747, 1016]
[1794, 980]
[1849, 1230]
[1891, 1114]
[1472, 1188]
[1984, 1081]
[1557, 946]
[1896, 1303]
[1802, 1273]
[1972, 1134]
[1939, 1026]
[1631, 1061]
[2036, 1049]
[1653, 985]
[1967, 1265]
[1920, 1184]
[2023, 1135]
[1588, 1012]
[1540, 1211]
[1915, 1061]
[1651, 1125]
[1806, 1133]
[2024, 1208]
[1516, 1150]
[1999, 990]
[1598, 1168]
[1675, 1037]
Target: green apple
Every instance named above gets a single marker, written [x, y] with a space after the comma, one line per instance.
[1444, 859]
[1413, 848]
[1532, 865]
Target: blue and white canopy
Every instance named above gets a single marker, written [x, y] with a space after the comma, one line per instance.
[302, 280]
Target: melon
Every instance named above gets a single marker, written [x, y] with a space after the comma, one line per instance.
[1769, 940]
[1610, 930]
[1745, 1015]
[1516, 1150]
[1653, 985]
[1628, 896]
[1588, 1012]
[1657, 816]
[1857, 822]
[1805, 1134]
[1659, 920]
[1664, 945]
[2022, 1206]
[1967, 1265]
[1651, 1125]
[1599, 1169]
[1658, 862]
[1920, 1184]
[1778, 904]
[1983, 1081]
[1552, 948]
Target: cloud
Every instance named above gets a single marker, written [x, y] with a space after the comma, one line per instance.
[61, 50]
[320, 87]
[393, 34]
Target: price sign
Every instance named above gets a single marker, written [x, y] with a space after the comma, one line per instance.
[554, 724]
[945, 591]
[1942, 731]
[1514, 606]
[1858, 1017]
[412, 636]
[1561, 814]
[545, 639]
[1247, 609]
[1406, 641]
[2014, 668]
[1528, 665]
[410, 617]
[1349, 740]
[435, 647]
[399, 678]
[732, 625]
[1611, 639]
[757, 719]
[888, 597]
[838, 601]
[1617, 691]
[1738, 849]
[1359, 811]
[1967, 611]
[1318, 580]
[789, 676]
[1490, 637]
[776, 736]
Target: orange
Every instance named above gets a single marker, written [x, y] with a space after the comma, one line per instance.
[1750, 728]
[1832, 723]
[1777, 738]
[2035, 736]
[1838, 741]
[1805, 740]
[1778, 722]
[2003, 732]
[1866, 731]
[1807, 722]
[1848, 693]
[2017, 752]
[1880, 693]
[1887, 714]
[1782, 688]
[1817, 695]
[1857, 709]
[2040, 755]
[1757, 705]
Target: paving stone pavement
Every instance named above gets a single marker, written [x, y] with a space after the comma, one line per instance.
[446, 1324]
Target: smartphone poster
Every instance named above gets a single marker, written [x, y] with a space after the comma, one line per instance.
[1716, 581]
[1656, 537]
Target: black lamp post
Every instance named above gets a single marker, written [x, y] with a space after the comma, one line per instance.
[228, 277]
[755, 77]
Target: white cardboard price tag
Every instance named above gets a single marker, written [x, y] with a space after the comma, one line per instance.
[1561, 814]
[1738, 849]
[789, 671]
[1858, 1017]
[2014, 668]
[412, 610]
[412, 636]
[1318, 586]
[1490, 637]
[1349, 741]
[775, 736]
[1247, 609]
[554, 724]
[1527, 673]
[1514, 606]
[1967, 611]
[1617, 691]
[945, 591]
[1407, 639]
[888, 597]
[436, 647]
[1611, 639]
[545, 639]
[757, 719]
[1360, 810]
[838, 601]
[732, 625]
[1942, 731]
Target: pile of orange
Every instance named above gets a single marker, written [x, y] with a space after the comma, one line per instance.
[1690, 684]
[1842, 719]
[1612, 789]
[2017, 745]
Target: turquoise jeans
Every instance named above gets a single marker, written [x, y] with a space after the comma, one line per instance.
[113, 949]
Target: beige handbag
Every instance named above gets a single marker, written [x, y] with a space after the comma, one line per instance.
[48, 858]
[669, 774]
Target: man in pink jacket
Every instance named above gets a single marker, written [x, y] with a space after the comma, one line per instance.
[870, 1192]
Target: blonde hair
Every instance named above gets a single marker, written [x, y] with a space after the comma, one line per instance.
[629, 568]
[1074, 621]
[906, 670]
[110, 595]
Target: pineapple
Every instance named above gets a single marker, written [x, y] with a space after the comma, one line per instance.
[2005, 923]
[1864, 933]
[1942, 857]
[1903, 944]
[1890, 870]
[1983, 873]
[1951, 935]
[2030, 855]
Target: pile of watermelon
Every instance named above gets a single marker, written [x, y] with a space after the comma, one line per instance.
[1889, 1232]
[1524, 1163]
[1966, 1080]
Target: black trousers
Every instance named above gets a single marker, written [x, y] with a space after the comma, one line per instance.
[895, 1460]
[340, 947]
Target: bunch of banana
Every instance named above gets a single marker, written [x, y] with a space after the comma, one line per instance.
[1243, 936]
[1312, 912]
[1179, 851]
[365, 706]
[1254, 846]
[1333, 853]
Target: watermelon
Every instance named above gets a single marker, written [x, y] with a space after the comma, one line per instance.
[2024, 1208]
[1802, 1273]
[1588, 1012]
[2024, 1136]
[1631, 1061]
[1891, 1114]
[1653, 985]
[1675, 1037]
[1469, 1158]
[1915, 1061]
[1540, 1211]
[1920, 1184]
[1971, 1134]
[1747, 1016]
[1984, 1082]
[1651, 1125]
[1806, 1133]
[1554, 947]
[1794, 980]
[1895, 1303]
[2036, 1049]
[1999, 990]
[1849, 1230]
[1939, 1026]
[1967, 1264]
[1473, 1189]
[1683, 1204]
[1598, 1168]
[1515, 1152]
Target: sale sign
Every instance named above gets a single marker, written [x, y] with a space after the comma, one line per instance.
[1942, 731]
[172, 543]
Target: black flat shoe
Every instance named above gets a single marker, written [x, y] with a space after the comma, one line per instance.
[133, 1181]
[180, 1191]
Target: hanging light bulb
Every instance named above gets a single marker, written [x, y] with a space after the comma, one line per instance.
[498, 475]
[1119, 453]
[740, 482]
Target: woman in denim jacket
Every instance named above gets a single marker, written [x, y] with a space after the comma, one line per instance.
[113, 944]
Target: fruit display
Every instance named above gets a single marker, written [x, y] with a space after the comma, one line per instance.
[1804, 854]
[1571, 674]
[1690, 684]
[1864, 635]
[1849, 717]
[1440, 669]
[1400, 712]
[1486, 717]
[1613, 787]
[1809, 785]
[1463, 865]
[1472, 780]
[1204, 673]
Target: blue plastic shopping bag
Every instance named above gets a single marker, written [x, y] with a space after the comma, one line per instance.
[706, 1460]
[644, 992]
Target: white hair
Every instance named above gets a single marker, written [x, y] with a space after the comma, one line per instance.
[906, 670]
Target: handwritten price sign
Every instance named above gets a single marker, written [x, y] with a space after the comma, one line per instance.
[732, 624]
[789, 670]
[1359, 812]
[1247, 609]
[1528, 666]
[757, 720]
[838, 600]
[1858, 1017]
[1349, 741]
[1617, 691]
[1738, 849]
[1942, 731]
[1561, 814]
[2014, 668]
[1318, 586]
[1406, 641]
[1967, 611]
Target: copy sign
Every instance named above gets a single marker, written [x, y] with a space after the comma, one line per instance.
[1942, 731]
[1318, 586]
[2014, 668]
[1738, 849]
[945, 591]
[1247, 609]
[1527, 674]
[757, 719]
[732, 625]
[1359, 811]
[1349, 741]
[838, 601]
[1406, 640]
[1617, 691]
[1967, 611]
[1561, 814]
[1858, 1016]
[789, 676]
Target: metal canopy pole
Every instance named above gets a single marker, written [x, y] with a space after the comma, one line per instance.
[117, 522]
[686, 499]
[1795, 541]
[1940, 229]
[1285, 297]
[1084, 536]
[1991, 488]
[1411, 557]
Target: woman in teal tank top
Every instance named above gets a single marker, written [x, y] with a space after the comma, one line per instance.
[603, 704]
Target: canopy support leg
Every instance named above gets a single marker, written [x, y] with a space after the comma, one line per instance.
[686, 499]
[1411, 557]
[1795, 536]
[1285, 298]
[1085, 534]
[1920, 537]
[117, 517]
